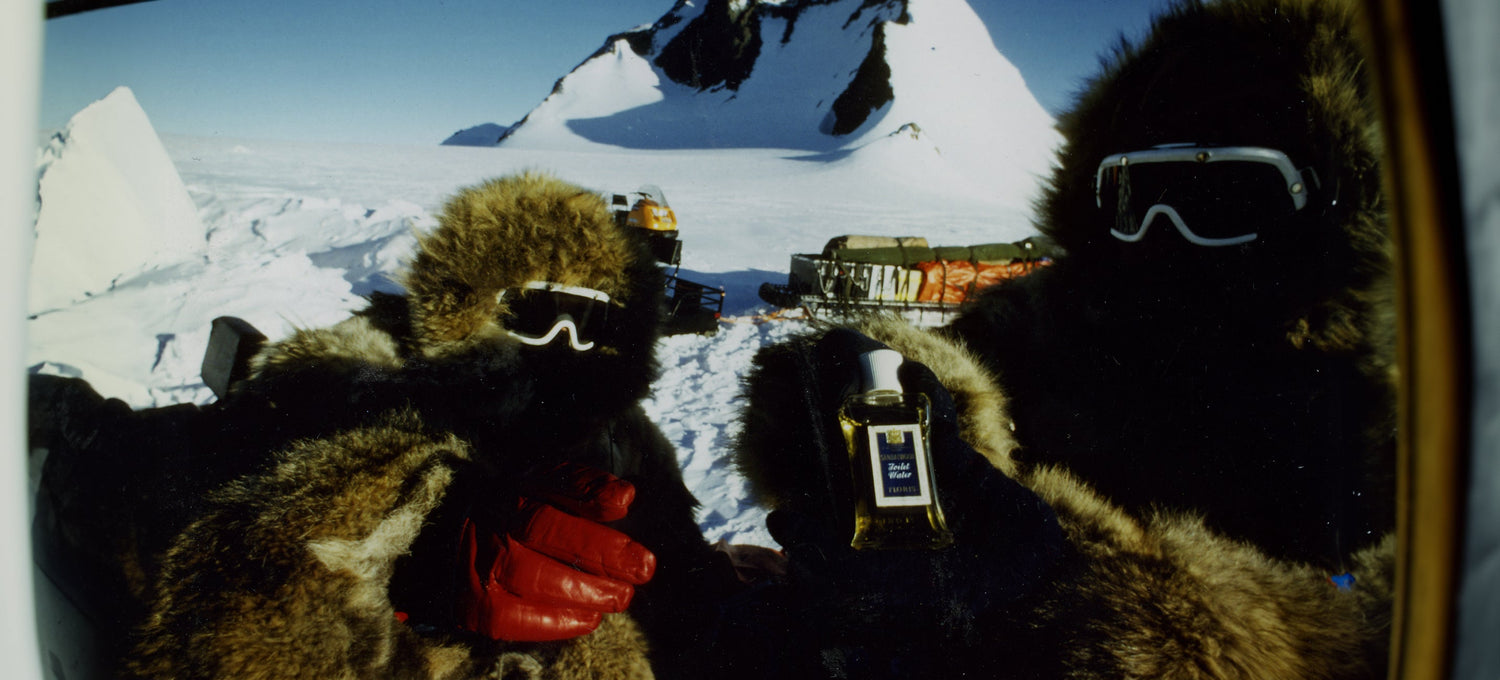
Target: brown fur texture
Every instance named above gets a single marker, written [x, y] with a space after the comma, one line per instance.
[1155, 597]
[363, 445]
[770, 451]
[286, 575]
[521, 228]
[1168, 598]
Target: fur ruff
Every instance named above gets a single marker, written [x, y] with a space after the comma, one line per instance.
[383, 426]
[1160, 596]
[502, 234]
[1262, 372]
[286, 575]
[1284, 74]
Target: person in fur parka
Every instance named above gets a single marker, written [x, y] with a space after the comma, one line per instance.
[1264, 366]
[379, 442]
[1199, 392]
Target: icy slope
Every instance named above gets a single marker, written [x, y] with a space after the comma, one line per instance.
[111, 204]
[825, 80]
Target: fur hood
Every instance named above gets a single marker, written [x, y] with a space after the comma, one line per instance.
[1283, 74]
[442, 347]
[504, 233]
[1264, 372]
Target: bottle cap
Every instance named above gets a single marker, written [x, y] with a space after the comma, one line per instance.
[878, 370]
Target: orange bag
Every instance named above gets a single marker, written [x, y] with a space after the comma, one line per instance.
[953, 280]
[945, 281]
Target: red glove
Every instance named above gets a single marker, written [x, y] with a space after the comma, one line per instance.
[555, 574]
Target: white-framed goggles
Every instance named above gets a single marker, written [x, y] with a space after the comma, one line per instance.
[1214, 195]
[538, 311]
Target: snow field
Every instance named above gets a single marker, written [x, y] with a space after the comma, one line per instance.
[289, 235]
[696, 402]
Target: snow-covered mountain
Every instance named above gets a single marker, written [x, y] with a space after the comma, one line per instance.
[918, 81]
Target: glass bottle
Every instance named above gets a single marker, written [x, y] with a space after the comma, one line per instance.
[885, 432]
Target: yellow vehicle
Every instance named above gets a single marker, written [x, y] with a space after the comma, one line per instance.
[691, 307]
[650, 211]
[646, 210]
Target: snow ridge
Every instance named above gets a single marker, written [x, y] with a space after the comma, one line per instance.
[110, 204]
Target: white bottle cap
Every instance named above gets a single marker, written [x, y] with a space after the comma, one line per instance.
[878, 370]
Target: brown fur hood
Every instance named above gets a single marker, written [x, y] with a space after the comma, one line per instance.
[506, 232]
[442, 349]
[353, 436]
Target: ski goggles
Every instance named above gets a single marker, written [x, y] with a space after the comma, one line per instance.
[537, 312]
[1215, 196]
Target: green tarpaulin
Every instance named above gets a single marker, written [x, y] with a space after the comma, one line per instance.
[908, 256]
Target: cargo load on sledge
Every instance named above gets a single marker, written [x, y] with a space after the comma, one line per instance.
[861, 274]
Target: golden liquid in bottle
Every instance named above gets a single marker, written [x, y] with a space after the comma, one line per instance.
[896, 502]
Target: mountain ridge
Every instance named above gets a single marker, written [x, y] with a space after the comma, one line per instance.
[813, 76]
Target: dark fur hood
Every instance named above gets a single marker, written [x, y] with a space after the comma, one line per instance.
[1252, 383]
[1283, 74]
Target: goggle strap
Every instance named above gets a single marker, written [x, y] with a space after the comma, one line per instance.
[595, 307]
[549, 287]
[1310, 177]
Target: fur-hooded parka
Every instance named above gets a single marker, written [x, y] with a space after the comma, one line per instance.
[371, 440]
[1213, 427]
[1254, 383]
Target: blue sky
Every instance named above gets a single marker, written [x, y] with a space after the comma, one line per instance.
[415, 71]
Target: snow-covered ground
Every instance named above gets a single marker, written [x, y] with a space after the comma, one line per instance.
[293, 234]
[142, 239]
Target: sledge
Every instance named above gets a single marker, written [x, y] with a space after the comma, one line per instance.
[857, 274]
[691, 307]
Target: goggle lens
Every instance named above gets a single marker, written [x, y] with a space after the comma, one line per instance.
[1219, 202]
[538, 312]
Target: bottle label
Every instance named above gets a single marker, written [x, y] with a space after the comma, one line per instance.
[899, 459]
